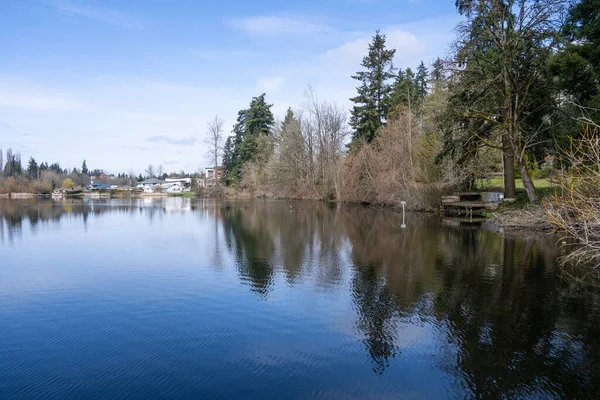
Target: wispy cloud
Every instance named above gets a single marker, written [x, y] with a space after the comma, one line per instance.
[37, 101]
[279, 26]
[405, 43]
[140, 148]
[271, 83]
[167, 139]
[170, 162]
[109, 16]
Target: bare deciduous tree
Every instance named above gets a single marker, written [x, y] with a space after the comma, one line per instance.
[326, 125]
[132, 178]
[150, 171]
[214, 140]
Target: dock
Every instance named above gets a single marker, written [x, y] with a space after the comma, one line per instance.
[471, 203]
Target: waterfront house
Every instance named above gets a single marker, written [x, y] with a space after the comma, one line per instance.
[98, 186]
[212, 176]
[177, 184]
[149, 185]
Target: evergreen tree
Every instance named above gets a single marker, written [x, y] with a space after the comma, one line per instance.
[373, 99]
[405, 90]
[437, 72]
[55, 167]
[421, 81]
[259, 118]
[84, 168]
[32, 169]
[251, 123]
[575, 70]
[227, 157]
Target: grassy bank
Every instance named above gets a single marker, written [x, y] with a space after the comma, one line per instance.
[543, 187]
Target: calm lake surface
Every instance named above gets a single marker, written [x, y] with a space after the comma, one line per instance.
[178, 298]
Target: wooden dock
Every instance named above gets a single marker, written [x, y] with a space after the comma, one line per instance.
[471, 203]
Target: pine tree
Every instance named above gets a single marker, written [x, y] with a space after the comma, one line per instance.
[251, 123]
[227, 157]
[421, 81]
[405, 90]
[373, 100]
[84, 168]
[32, 169]
[259, 118]
[437, 72]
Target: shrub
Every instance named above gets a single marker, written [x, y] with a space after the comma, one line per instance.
[574, 210]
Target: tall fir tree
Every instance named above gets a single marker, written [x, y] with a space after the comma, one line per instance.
[437, 72]
[372, 103]
[251, 123]
[84, 168]
[32, 169]
[405, 90]
[227, 157]
[422, 80]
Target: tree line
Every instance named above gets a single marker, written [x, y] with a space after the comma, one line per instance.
[521, 81]
[44, 177]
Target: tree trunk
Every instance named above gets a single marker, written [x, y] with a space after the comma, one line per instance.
[510, 189]
[527, 182]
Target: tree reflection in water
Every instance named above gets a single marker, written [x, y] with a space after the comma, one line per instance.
[506, 322]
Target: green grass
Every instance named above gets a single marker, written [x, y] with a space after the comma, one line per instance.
[543, 188]
[498, 183]
[186, 195]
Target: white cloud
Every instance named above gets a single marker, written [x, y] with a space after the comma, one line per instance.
[108, 16]
[279, 26]
[406, 44]
[36, 101]
[171, 140]
[271, 83]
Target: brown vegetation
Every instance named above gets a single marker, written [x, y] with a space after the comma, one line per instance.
[21, 185]
[574, 210]
[397, 166]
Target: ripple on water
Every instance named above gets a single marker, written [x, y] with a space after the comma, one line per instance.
[161, 299]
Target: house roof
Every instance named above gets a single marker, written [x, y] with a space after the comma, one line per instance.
[100, 185]
[151, 181]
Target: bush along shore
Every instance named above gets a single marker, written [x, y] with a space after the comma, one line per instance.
[571, 209]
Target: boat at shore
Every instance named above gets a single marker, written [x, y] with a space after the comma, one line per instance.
[66, 192]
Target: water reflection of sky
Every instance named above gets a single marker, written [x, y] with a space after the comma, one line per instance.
[293, 297]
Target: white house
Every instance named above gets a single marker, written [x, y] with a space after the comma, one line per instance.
[184, 184]
[148, 185]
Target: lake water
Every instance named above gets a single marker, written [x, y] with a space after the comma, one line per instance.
[178, 298]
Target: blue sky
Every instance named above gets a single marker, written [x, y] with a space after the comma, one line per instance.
[127, 83]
